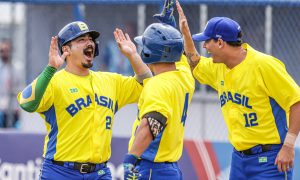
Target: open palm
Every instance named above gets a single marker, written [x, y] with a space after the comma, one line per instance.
[124, 42]
[183, 24]
[55, 60]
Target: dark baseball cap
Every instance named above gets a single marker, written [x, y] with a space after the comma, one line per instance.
[220, 27]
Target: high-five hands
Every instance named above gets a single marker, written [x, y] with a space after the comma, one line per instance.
[166, 16]
[124, 42]
[183, 24]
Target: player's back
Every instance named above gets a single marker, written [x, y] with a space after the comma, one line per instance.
[168, 93]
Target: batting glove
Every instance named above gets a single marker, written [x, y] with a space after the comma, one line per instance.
[130, 173]
[166, 16]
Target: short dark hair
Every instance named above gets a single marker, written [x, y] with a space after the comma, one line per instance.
[237, 43]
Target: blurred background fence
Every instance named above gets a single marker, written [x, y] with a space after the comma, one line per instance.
[270, 26]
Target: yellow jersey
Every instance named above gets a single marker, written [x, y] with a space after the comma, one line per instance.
[168, 93]
[255, 97]
[79, 113]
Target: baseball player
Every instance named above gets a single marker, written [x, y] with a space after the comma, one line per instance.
[260, 101]
[157, 134]
[78, 105]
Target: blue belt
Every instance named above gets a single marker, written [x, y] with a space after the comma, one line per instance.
[81, 167]
[260, 148]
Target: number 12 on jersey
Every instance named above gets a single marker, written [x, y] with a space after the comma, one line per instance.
[250, 119]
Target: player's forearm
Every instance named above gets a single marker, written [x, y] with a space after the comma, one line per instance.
[294, 125]
[190, 51]
[141, 70]
[143, 138]
[31, 96]
[295, 118]
[189, 45]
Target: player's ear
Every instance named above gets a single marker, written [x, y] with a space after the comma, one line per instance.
[66, 49]
[220, 43]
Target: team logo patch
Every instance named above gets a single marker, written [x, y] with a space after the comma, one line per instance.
[82, 26]
[222, 83]
[262, 159]
[101, 172]
[73, 90]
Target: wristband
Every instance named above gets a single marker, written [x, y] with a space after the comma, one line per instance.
[290, 140]
[130, 159]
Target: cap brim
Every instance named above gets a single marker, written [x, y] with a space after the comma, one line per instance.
[94, 34]
[139, 40]
[200, 37]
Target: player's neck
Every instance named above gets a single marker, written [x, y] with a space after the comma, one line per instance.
[235, 57]
[159, 68]
[77, 70]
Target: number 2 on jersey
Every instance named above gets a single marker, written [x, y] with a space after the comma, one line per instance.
[108, 122]
[185, 108]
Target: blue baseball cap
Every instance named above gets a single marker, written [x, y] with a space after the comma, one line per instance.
[220, 27]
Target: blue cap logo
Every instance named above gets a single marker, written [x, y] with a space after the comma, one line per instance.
[220, 27]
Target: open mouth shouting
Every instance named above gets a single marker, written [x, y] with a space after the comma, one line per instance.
[89, 56]
[89, 53]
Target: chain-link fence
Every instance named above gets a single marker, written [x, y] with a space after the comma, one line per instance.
[267, 28]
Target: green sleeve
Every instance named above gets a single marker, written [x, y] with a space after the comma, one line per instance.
[39, 89]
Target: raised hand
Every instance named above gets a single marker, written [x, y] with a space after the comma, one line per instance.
[166, 16]
[190, 51]
[183, 24]
[55, 60]
[125, 44]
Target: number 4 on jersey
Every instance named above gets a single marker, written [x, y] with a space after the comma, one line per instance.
[185, 108]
